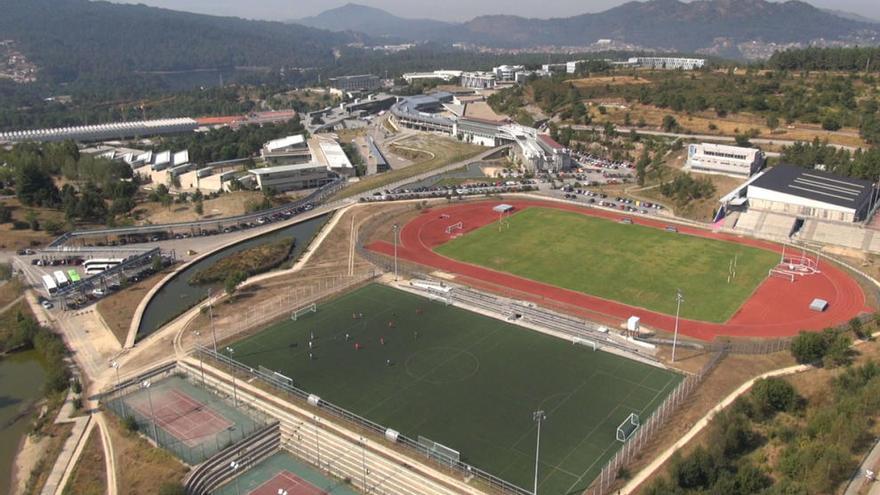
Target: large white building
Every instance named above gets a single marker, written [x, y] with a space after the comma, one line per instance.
[286, 151]
[671, 63]
[803, 193]
[723, 159]
[445, 75]
[478, 80]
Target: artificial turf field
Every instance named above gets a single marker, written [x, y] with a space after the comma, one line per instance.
[632, 264]
[465, 380]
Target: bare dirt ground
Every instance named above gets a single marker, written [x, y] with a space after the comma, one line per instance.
[117, 309]
[89, 476]
[141, 468]
[10, 291]
[14, 239]
[730, 125]
[225, 205]
[53, 439]
[609, 80]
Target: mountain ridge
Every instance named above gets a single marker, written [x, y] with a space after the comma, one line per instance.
[653, 24]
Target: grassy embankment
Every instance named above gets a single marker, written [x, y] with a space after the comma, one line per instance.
[251, 261]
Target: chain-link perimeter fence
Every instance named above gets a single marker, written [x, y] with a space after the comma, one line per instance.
[260, 315]
[183, 415]
[495, 484]
[647, 431]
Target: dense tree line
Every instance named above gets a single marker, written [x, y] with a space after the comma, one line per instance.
[226, 143]
[26, 333]
[95, 190]
[815, 443]
[840, 59]
[832, 101]
[862, 164]
[684, 188]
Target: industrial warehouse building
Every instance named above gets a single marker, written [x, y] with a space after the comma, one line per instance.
[802, 193]
[811, 193]
[726, 160]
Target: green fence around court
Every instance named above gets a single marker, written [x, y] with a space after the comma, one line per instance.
[491, 481]
[244, 423]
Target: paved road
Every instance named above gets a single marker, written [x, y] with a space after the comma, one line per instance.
[859, 482]
[703, 137]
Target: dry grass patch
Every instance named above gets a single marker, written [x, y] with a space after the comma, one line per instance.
[609, 80]
[89, 477]
[141, 468]
[118, 308]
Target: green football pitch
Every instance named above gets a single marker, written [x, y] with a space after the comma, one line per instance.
[464, 380]
[631, 264]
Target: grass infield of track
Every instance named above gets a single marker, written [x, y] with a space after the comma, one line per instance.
[632, 264]
[465, 380]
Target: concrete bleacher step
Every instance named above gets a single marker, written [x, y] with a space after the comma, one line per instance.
[868, 240]
[344, 460]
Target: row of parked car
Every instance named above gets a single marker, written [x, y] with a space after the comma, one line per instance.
[164, 236]
[445, 191]
[57, 261]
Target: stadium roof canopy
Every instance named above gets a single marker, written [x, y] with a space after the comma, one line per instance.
[815, 185]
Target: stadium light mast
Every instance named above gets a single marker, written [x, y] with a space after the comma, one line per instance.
[146, 385]
[679, 298]
[395, 228]
[211, 315]
[539, 417]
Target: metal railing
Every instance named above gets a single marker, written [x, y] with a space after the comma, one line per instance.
[314, 198]
[414, 446]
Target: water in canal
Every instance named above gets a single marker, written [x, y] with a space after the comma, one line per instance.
[21, 385]
[178, 294]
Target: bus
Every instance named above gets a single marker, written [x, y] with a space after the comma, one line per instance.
[49, 283]
[98, 265]
[61, 278]
[73, 275]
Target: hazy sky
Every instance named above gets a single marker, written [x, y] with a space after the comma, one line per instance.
[451, 9]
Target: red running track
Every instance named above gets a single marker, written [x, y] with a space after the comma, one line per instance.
[778, 308]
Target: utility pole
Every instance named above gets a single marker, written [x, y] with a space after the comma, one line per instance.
[539, 417]
[679, 298]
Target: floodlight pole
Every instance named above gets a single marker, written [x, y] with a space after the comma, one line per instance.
[395, 228]
[211, 314]
[115, 366]
[537, 416]
[146, 384]
[679, 298]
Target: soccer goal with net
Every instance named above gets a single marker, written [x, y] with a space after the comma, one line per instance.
[628, 427]
[589, 343]
[439, 451]
[311, 308]
[782, 273]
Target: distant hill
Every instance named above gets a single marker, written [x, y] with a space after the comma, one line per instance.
[658, 24]
[852, 16]
[77, 39]
[378, 22]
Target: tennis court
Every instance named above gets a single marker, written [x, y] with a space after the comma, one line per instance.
[185, 418]
[464, 380]
[181, 415]
[282, 473]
